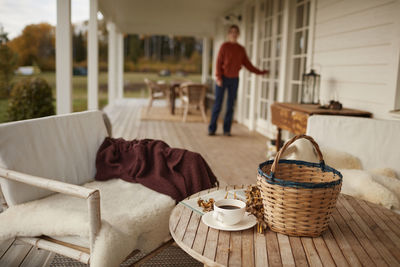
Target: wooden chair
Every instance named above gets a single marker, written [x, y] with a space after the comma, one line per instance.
[193, 95]
[156, 91]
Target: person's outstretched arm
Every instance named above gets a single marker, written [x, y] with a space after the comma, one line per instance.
[246, 62]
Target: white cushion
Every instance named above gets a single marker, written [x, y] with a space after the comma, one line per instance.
[375, 142]
[57, 147]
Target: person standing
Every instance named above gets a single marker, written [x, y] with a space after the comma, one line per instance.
[231, 57]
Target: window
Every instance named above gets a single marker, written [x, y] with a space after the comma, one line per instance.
[298, 48]
[270, 55]
[249, 48]
[282, 48]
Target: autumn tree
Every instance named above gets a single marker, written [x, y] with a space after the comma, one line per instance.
[35, 45]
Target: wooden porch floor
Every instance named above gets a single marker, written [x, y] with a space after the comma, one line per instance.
[233, 159]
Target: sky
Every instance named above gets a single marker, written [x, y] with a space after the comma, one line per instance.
[16, 14]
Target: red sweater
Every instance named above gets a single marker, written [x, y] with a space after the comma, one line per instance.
[230, 59]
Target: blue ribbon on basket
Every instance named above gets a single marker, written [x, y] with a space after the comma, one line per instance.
[271, 179]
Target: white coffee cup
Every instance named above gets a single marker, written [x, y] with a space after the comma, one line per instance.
[229, 211]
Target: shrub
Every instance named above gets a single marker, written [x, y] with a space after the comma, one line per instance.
[30, 98]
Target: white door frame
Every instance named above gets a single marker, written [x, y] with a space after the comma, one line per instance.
[245, 75]
[285, 65]
[264, 126]
[290, 48]
[255, 61]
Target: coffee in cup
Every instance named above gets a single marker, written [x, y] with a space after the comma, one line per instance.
[229, 211]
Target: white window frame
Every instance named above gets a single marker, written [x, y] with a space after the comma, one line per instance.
[285, 67]
[264, 126]
[287, 97]
[247, 79]
[397, 84]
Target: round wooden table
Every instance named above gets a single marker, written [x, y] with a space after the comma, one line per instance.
[359, 234]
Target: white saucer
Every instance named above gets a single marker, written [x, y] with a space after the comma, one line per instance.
[247, 222]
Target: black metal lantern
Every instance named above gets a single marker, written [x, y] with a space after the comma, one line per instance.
[310, 88]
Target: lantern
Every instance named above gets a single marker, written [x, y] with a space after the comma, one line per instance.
[310, 88]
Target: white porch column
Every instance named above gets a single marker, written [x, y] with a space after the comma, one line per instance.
[254, 60]
[64, 57]
[93, 58]
[112, 62]
[205, 63]
[120, 65]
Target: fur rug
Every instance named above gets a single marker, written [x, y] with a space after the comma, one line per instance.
[380, 186]
[379, 189]
[133, 217]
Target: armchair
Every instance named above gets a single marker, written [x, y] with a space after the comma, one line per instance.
[193, 95]
[47, 166]
[156, 91]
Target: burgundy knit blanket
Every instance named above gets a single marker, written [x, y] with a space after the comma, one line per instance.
[175, 172]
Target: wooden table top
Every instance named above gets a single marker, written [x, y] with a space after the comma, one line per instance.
[359, 234]
[311, 109]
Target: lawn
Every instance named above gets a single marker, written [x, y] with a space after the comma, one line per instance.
[133, 81]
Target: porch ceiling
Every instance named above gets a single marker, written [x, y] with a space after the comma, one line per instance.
[176, 17]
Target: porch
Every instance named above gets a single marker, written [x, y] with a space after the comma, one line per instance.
[359, 79]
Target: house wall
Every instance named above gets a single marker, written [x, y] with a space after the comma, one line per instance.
[355, 47]
[356, 50]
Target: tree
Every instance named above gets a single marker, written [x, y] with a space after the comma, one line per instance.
[79, 47]
[35, 44]
[3, 35]
[103, 43]
[8, 63]
[189, 46]
[133, 47]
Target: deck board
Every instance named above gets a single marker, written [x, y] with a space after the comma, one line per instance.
[16, 254]
[37, 257]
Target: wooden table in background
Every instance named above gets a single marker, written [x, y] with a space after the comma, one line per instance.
[293, 117]
[359, 234]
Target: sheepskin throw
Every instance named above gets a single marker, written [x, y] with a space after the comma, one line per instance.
[379, 186]
[175, 172]
[130, 221]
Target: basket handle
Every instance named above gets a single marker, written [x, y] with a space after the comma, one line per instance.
[291, 141]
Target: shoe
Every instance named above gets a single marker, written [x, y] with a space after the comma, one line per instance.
[211, 134]
[227, 134]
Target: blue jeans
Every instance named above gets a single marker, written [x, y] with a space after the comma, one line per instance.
[231, 84]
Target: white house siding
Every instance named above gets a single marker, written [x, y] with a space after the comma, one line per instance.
[356, 49]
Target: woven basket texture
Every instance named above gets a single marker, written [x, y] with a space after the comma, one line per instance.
[298, 196]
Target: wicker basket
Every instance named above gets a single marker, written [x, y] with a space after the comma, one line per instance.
[298, 196]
